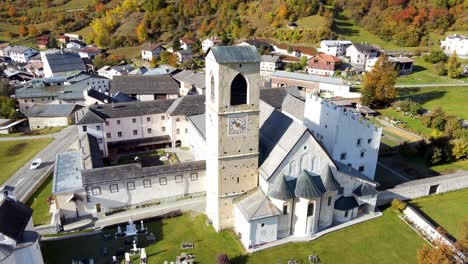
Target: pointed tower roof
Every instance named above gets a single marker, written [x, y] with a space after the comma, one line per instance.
[309, 187]
[328, 180]
[280, 189]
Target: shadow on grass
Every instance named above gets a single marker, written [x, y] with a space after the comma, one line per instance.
[13, 150]
[417, 68]
[421, 98]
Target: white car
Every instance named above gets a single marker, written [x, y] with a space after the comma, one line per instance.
[35, 164]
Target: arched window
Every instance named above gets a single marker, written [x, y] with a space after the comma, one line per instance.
[305, 162]
[310, 210]
[329, 200]
[285, 209]
[212, 87]
[315, 164]
[294, 170]
[239, 90]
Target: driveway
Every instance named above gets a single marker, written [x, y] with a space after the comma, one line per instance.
[27, 181]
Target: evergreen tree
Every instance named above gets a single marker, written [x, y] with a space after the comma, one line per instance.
[52, 42]
[453, 66]
[379, 84]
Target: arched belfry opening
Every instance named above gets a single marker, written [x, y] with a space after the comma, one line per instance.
[212, 88]
[239, 90]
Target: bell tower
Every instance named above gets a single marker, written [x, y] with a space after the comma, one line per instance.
[232, 120]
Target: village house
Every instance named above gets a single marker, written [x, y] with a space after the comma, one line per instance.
[51, 115]
[359, 54]
[62, 38]
[5, 49]
[19, 242]
[269, 64]
[75, 44]
[88, 52]
[151, 51]
[60, 63]
[210, 42]
[8, 126]
[183, 56]
[90, 80]
[191, 82]
[21, 54]
[294, 51]
[111, 71]
[186, 43]
[42, 41]
[258, 44]
[322, 64]
[146, 87]
[455, 43]
[403, 65]
[335, 48]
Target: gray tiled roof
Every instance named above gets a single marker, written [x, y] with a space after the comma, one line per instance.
[280, 189]
[270, 58]
[136, 108]
[328, 180]
[194, 78]
[351, 172]
[365, 190]
[256, 205]
[346, 203]
[144, 84]
[198, 122]
[65, 62]
[73, 91]
[308, 186]
[276, 96]
[187, 105]
[67, 172]
[235, 54]
[135, 171]
[14, 217]
[293, 106]
[19, 49]
[51, 110]
[90, 150]
[308, 77]
[364, 47]
[90, 118]
[102, 97]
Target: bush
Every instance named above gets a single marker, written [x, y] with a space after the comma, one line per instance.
[434, 156]
[409, 106]
[435, 56]
[460, 149]
[399, 205]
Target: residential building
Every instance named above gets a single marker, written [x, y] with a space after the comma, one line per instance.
[42, 41]
[51, 115]
[151, 51]
[186, 43]
[259, 44]
[19, 242]
[210, 42]
[358, 54]
[5, 49]
[335, 48]
[89, 52]
[61, 64]
[8, 126]
[403, 65]
[191, 82]
[75, 44]
[293, 50]
[62, 38]
[322, 64]
[183, 56]
[455, 43]
[269, 64]
[90, 80]
[111, 71]
[146, 87]
[21, 54]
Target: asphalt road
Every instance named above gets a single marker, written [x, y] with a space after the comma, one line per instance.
[27, 181]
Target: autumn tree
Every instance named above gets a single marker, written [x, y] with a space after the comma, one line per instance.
[22, 30]
[379, 84]
[141, 32]
[172, 60]
[11, 10]
[32, 30]
[7, 107]
[282, 12]
[453, 66]
[101, 33]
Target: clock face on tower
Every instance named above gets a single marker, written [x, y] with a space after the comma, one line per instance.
[237, 125]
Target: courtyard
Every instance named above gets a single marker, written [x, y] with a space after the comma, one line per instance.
[388, 237]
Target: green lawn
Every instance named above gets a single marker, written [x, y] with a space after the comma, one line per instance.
[311, 21]
[410, 123]
[127, 52]
[35, 132]
[426, 73]
[14, 154]
[388, 238]
[451, 167]
[446, 209]
[38, 203]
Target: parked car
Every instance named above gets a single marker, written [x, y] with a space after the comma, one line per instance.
[35, 164]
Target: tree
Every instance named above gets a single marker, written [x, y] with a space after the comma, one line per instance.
[32, 30]
[453, 66]
[7, 107]
[435, 119]
[379, 84]
[101, 33]
[141, 32]
[52, 44]
[176, 44]
[460, 149]
[22, 30]
[11, 10]
[435, 56]
[5, 87]
[172, 60]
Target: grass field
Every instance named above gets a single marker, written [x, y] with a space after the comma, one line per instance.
[14, 154]
[35, 132]
[311, 21]
[38, 203]
[388, 238]
[451, 167]
[426, 73]
[447, 209]
[127, 52]
[410, 123]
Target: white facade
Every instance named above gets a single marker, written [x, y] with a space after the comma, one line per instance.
[21, 54]
[210, 42]
[320, 72]
[455, 43]
[45, 122]
[335, 48]
[183, 56]
[359, 57]
[347, 137]
[147, 54]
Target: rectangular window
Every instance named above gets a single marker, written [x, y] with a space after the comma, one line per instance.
[186, 130]
[98, 128]
[148, 119]
[131, 185]
[177, 119]
[346, 213]
[107, 123]
[193, 176]
[343, 156]
[369, 140]
[163, 118]
[85, 128]
[119, 134]
[358, 142]
[114, 188]
[362, 154]
[108, 135]
[341, 190]
[433, 189]
[135, 132]
[178, 178]
[178, 131]
[134, 120]
[146, 183]
[285, 209]
[163, 129]
[148, 130]
[361, 168]
[96, 190]
[163, 181]
[118, 122]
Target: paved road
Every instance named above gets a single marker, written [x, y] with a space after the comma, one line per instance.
[27, 181]
[430, 85]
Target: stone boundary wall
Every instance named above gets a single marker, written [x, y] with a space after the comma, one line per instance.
[418, 188]
[423, 225]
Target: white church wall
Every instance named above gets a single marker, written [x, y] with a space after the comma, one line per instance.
[196, 143]
[326, 209]
[264, 230]
[242, 227]
[344, 216]
[284, 220]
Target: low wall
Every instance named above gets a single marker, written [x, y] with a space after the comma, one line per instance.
[419, 188]
[424, 226]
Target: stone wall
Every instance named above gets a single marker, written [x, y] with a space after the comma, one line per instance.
[419, 188]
